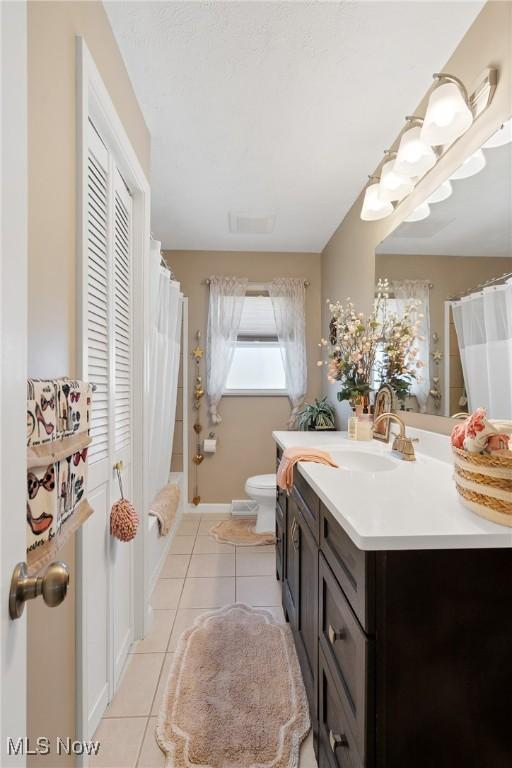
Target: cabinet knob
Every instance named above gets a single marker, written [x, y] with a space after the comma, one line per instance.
[337, 740]
[333, 635]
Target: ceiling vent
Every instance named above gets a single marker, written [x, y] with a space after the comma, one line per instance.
[241, 223]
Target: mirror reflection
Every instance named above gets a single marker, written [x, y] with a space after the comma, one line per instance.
[453, 259]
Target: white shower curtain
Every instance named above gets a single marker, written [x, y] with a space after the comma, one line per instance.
[288, 296]
[406, 291]
[224, 314]
[483, 322]
[166, 307]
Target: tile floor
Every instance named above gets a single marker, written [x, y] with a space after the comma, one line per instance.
[199, 574]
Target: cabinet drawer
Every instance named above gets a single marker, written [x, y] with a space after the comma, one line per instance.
[307, 502]
[353, 568]
[337, 745]
[349, 654]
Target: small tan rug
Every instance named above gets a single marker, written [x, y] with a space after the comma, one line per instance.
[241, 531]
[235, 696]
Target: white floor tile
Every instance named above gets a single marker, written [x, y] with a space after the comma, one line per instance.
[276, 611]
[182, 545]
[258, 590]
[157, 638]
[188, 526]
[212, 566]
[135, 694]
[120, 742]
[260, 549]
[255, 564]
[185, 617]
[208, 593]
[166, 593]
[151, 756]
[175, 567]
[206, 545]
[307, 757]
[162, 684]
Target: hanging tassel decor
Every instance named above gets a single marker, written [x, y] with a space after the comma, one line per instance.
[124, 520]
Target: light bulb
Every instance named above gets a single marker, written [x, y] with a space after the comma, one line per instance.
[471, 165]
[419, 213]
[393, 186]
[448, 115]
[374, 208]
[414, 157]
[443, 192]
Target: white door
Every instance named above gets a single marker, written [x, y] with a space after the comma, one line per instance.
[106, 588]
[13, 374]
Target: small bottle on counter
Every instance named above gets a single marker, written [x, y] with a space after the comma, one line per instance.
[352, 428]
[364, 429]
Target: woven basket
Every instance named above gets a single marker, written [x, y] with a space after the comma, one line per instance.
[484, 484]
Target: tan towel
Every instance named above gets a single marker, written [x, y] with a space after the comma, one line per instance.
[164, 507]
[290, 458]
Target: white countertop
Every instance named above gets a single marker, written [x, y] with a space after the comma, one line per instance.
[414, 505]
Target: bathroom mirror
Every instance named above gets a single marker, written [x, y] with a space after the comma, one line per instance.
[454, 255]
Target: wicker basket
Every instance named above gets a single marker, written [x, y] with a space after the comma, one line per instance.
[484, 484]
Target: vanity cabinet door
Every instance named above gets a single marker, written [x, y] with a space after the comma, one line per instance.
[280, 522]
[302, 560]
[291, 566]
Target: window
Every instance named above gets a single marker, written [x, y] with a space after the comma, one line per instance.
[257, 365]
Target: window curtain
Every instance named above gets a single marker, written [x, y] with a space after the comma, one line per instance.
[288, 296]
[406, 291]
[483, 322]
[224, 314]
[166, 307]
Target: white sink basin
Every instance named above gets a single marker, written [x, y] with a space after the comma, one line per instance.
[359, 461]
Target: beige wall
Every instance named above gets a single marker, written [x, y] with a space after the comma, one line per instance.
[245, 444]
[450, 276]
[52, 27]
[348, 258]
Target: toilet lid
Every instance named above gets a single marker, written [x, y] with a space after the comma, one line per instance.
[262, 481]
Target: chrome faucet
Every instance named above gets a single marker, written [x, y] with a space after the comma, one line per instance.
[402, 446]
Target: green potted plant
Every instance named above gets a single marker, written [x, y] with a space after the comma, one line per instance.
[318, 416]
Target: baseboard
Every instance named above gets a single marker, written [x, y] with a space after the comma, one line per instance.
[208, 509]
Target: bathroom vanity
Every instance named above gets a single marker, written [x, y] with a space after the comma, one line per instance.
[399, 602]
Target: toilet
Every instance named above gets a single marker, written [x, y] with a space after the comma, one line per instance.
[262, 489]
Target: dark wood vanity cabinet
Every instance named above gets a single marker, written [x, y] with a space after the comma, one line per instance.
[406, 655]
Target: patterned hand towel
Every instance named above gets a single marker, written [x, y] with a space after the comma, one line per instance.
[290, 458]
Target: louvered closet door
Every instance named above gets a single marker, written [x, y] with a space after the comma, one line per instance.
[122, 554]
[97, 353]
[107, 341]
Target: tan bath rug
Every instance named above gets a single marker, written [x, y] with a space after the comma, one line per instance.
[235, 696]
[241, 531]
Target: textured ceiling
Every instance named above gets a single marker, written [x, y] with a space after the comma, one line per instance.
[278, 108]
[474, 221]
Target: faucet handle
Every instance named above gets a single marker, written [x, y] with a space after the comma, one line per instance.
[403, 448]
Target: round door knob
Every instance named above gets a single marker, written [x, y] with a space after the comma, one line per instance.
[55, 584]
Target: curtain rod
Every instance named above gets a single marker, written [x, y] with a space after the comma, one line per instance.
[487, 284]
[207, 282]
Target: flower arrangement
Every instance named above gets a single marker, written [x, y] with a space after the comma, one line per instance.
[364, 349]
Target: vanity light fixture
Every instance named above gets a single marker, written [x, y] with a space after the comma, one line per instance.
[501, 137]
[448, 113]
[419, 213]
[393, 186]
[374, 207]
[471, 166]
[414, 158]
[443, 192]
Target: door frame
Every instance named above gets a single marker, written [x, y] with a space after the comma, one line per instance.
[13, 363]
[93, 101]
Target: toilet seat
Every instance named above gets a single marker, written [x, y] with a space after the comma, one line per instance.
[262, 483]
